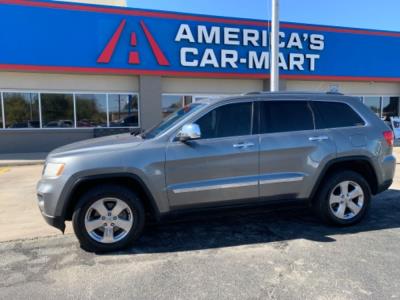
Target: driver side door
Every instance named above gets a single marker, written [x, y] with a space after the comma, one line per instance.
[221, 166]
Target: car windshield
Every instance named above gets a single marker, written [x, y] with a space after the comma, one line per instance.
[171, 120]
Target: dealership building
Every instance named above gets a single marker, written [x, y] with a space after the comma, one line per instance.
[71, 71]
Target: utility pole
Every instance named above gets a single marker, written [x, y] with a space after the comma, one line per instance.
[275, 47]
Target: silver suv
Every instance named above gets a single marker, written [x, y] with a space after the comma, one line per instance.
[328, 149]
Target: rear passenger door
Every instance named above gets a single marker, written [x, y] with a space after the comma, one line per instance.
[292, 151]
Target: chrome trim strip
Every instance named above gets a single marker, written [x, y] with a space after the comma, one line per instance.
[282, 180]
[214, 187]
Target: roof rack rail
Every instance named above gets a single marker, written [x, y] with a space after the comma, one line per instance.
[290, 93]
[334, 93]
[251, 93]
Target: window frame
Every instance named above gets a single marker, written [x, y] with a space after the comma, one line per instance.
[108, 110]
[41, 113]
[3, 118]
[2, 101]
[76, 111]
[74, 93]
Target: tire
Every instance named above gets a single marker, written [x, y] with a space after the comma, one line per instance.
[100, 212]
[330, 201]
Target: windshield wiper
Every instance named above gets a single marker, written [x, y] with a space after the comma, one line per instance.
[141, 134]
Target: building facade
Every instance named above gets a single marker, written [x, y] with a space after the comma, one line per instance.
[75, 71]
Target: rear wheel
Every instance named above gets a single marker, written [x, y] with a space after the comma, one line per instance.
[108, 218]
[343, 199]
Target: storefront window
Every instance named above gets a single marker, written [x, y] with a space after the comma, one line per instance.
[204, 97]
[1, 115]
[123, 110]
[374, 103]
[172, 103]
[390, 107]
[57, 110]
[21, 110]
[91, 110]
[359, 98]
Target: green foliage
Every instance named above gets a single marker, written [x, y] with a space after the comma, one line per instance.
[20, 108]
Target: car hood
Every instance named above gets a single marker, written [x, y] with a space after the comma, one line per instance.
[108, 143]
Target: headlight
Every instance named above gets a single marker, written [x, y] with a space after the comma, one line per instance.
[53, 170]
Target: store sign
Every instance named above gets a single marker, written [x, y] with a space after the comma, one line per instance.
[219, 53]
[252, 40]
[54, 36]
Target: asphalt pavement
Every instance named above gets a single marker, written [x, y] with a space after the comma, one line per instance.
[280, 254]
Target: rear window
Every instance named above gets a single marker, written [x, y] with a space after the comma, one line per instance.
[335, 115]
[285, 116]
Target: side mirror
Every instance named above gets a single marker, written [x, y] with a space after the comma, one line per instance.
[189, 132]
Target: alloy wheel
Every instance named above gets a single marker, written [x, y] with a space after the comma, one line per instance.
[346, 200]
[108, 220]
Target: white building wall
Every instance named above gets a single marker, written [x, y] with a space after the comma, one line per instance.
[347, 88]
[210, 86]
[68, 82]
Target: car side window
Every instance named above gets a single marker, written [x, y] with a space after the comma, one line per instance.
[227, 120]
[335, 115]
[285, 116]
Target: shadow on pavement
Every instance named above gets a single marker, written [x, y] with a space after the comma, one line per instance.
[286, 223]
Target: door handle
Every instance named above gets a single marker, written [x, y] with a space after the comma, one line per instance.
[243, 145]
[318, 138]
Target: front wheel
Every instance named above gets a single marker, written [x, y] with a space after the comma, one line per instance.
[343, 199]
[108, 218]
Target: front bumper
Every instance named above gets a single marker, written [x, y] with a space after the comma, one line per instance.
[384, 186]
[57, 222]
[48, 197]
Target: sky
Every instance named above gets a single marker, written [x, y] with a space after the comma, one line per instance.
[372, 14]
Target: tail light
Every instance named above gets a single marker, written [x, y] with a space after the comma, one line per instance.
[389, 137]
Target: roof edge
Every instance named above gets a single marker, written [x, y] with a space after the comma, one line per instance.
[195, 17]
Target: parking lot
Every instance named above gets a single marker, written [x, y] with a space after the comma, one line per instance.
[280, 253]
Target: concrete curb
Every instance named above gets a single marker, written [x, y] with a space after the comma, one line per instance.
[20, 163]
[22, 159]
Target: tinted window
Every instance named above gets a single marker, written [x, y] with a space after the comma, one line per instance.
[227, 120]
[336, 114]
[284, 116]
